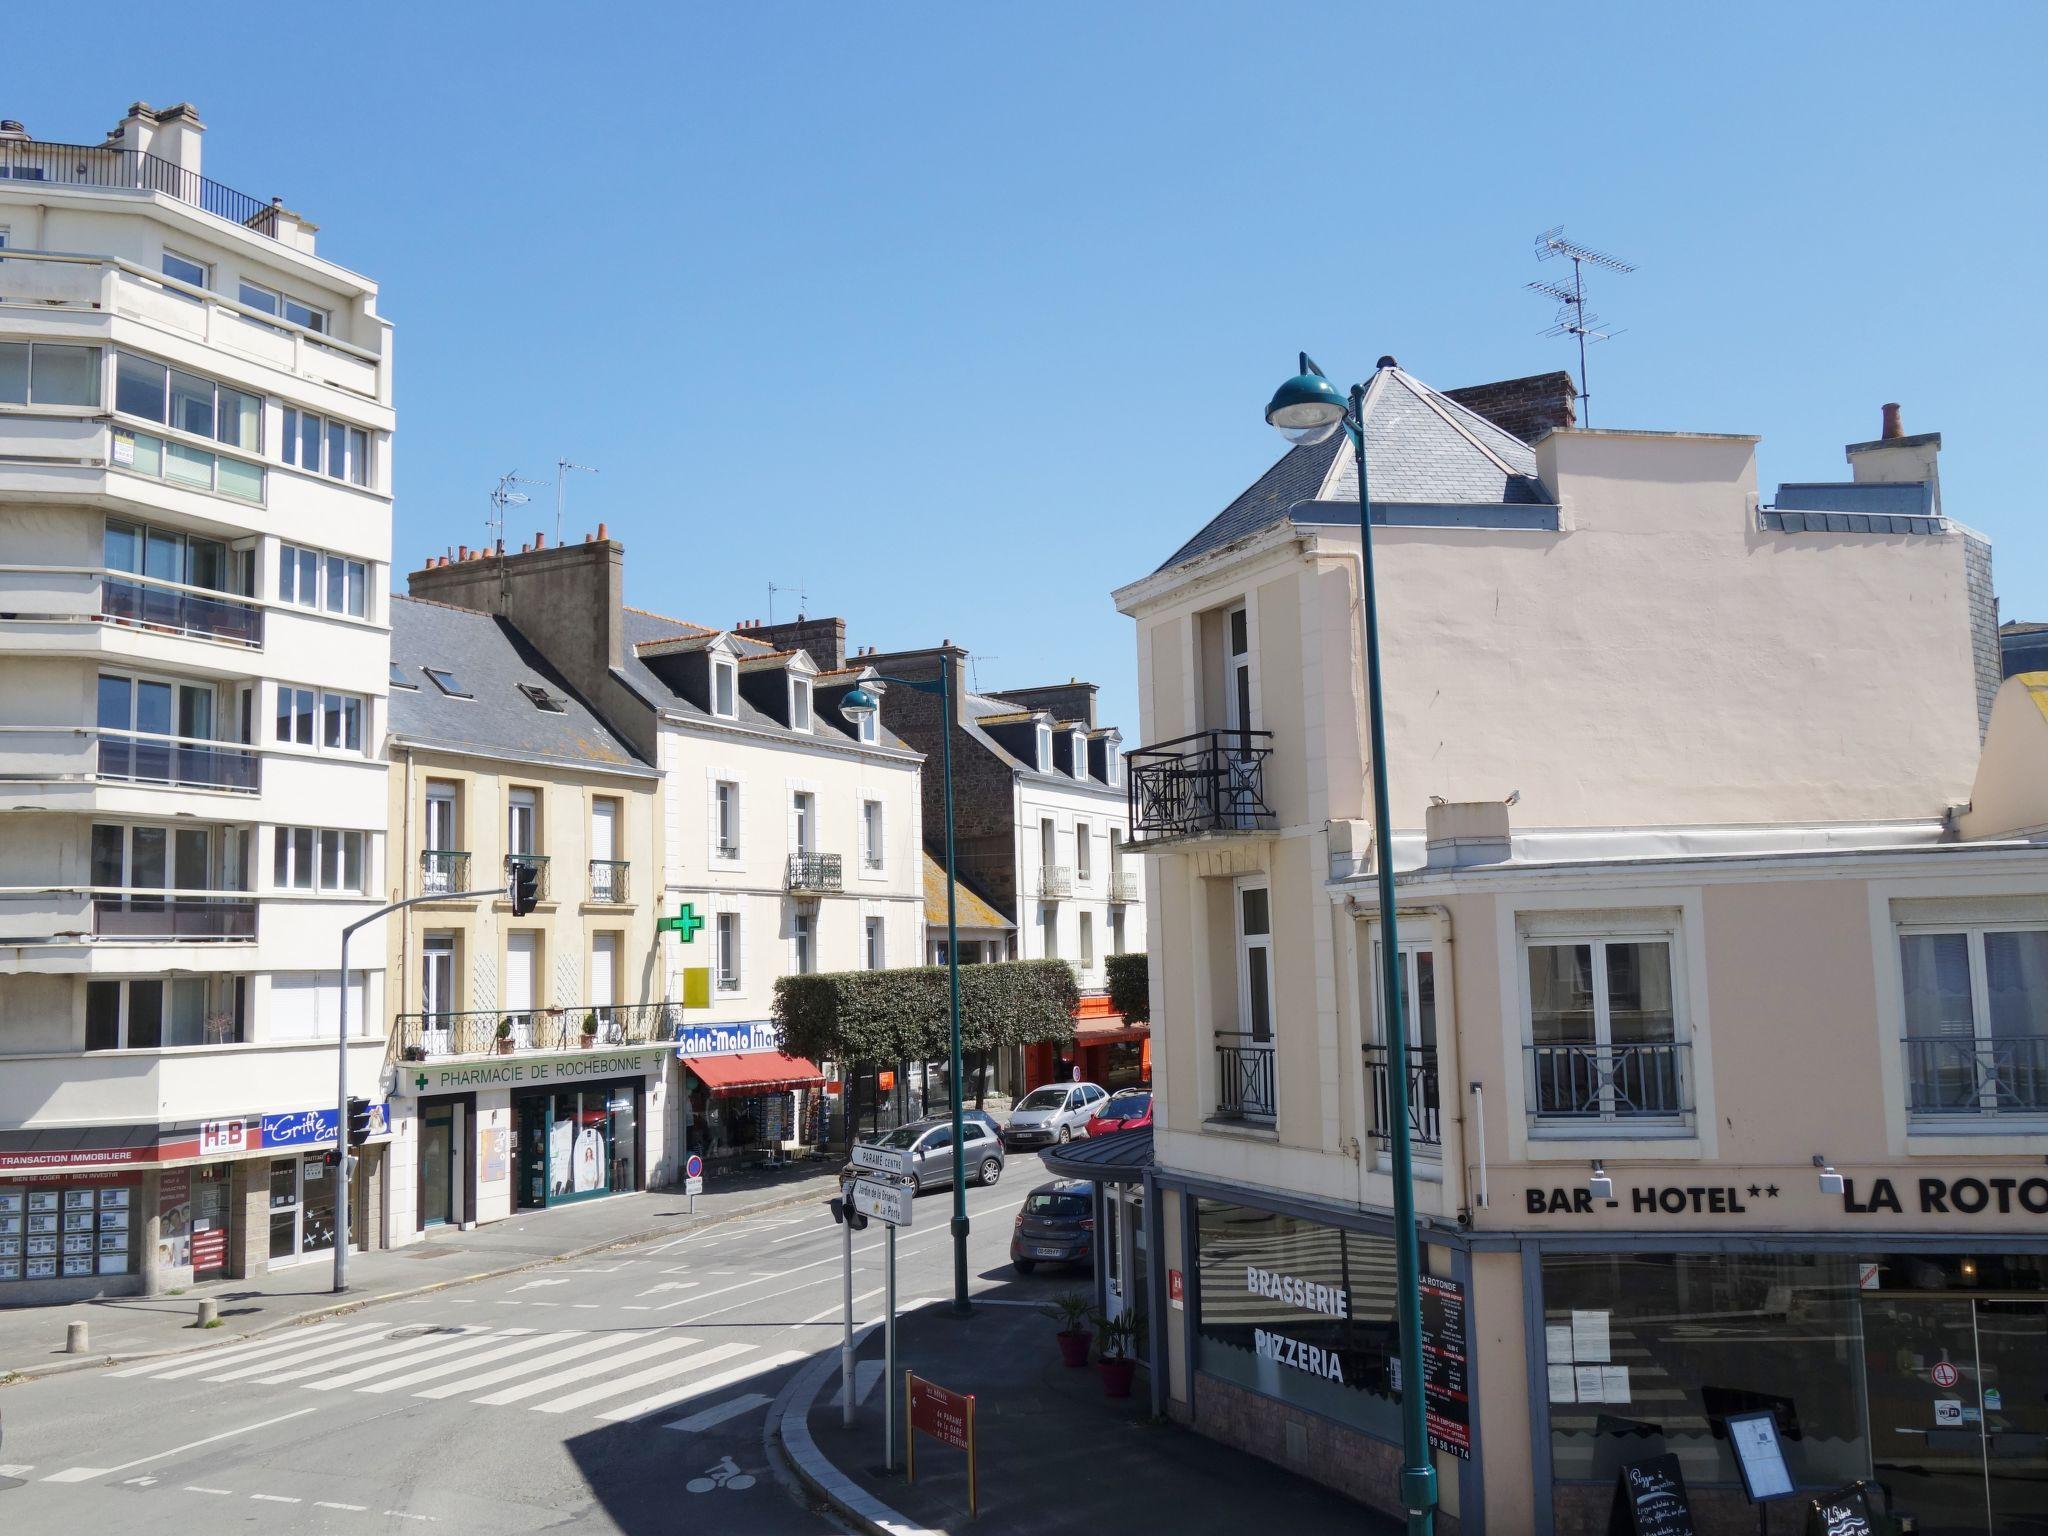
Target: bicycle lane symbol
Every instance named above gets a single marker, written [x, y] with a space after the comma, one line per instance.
[726, 1474]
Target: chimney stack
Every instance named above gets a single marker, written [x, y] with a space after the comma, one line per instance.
[1892, 427]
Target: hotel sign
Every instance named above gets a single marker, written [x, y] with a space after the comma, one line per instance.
[2006, 1194]
[421, 1077]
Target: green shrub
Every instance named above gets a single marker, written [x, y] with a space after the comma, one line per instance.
[903, 1015]
[1130, 986]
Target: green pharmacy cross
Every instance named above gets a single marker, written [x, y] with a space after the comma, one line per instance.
[683, 925]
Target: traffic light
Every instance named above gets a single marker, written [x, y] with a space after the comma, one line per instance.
[525, 888]
[361, 1119]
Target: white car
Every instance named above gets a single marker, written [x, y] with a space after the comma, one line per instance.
[1056, 1112]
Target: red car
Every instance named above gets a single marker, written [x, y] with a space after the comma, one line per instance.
[1127, 1110]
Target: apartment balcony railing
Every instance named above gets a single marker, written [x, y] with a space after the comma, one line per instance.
[192, 918]
[1244, 1076]
[1124, 887]
[475, 1032]
[1212, 781]
[443, 872]
[138, 758]
[871, 859]
[1981, 1075]
[1425, 1115]
[133, 170]
[611, 881]
[158, 605]
[814, 873]
[1055, 882]
[1587, 1081]
[537, 861]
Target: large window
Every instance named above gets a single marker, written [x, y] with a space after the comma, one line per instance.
[872, 937]
[1417, 977]
[48, 373]
[728, 951]
[1299, 1311]
[149, 1013]
[1603, 1042]
[185, 269]
[724, 687]
[1976, 1007]
[193, 404]
[871, 843]
[311, 578]
[323, 446]
[331, 721]
[160, 730]
[725, 797]
[1244, 1056]
[318, 859]
[272, 302]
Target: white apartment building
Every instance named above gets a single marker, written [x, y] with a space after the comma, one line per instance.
[195, 522]
[793, 835]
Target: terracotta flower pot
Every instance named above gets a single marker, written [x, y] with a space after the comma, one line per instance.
[505, 1046]
[1074, 1346]
[1116, 1376]
[589, 1041]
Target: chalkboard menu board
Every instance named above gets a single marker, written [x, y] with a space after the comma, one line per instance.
[1649, 1500]
[1444, 1390]
[1845, 1512]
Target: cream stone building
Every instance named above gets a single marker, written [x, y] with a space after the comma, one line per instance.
[195, 525]
[1724, 930]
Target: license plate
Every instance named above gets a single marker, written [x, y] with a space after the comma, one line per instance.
[1048, 1253]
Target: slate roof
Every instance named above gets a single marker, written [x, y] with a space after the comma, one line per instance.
[1842, 506]
[489, 660]
[982, 710]
[972, 910]
[1423, 449]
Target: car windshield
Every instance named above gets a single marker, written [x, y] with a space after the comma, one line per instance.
[1044, 1098]
[1055, 1203]
[1131, 1108]
[903, 1135]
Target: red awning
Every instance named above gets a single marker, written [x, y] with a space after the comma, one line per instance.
[1113, 1030]
[754, 1072]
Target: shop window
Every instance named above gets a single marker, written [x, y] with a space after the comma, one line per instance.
[59, 1230]
[1604, 1047]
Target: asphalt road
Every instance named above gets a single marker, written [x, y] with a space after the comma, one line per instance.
[627, 1392]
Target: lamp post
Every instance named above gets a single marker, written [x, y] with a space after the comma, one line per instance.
[1309, 409]
[861, 703]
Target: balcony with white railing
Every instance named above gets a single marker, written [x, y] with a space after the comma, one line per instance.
[495, 1032]
[815, 874]
[1055, 882]
[1125, 887]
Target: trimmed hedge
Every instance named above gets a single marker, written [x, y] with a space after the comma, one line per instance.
[902, 1015]
[1130, 986]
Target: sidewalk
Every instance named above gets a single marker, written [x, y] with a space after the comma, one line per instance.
[1056, 1456]
[120, 1328]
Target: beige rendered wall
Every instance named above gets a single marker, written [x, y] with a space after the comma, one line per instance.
[1500, 1358]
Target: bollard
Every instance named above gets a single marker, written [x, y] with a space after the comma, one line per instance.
[74, 1338]
[209, 1313]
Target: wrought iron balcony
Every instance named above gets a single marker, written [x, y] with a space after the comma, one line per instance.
[132, 170]
[443, 872]
[1982, 1075]
[476, 1031]
[811, 874]
[191, 918]
[536, 861]
[144, 759]
[1055, 882]
[1212, 781]
[611, 881]
[1425, 1118]
[140, 600]
[1124, 888]
[1587, 1081]
[1244, 1076]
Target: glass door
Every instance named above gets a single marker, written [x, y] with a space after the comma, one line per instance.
[437, 1165]
[2012, 1356]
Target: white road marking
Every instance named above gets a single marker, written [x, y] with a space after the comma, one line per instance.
[584, 1306]
[669, 1285]
[652, 1405]
[503, 1352]
[538, 1285]
[297, 1357]
[77, 1474]
[138, 1482]
[668, 1370]
[214, 1359]
[437, 1351]
[696, 1423]
[581, 1372]
[275, 1498]
[833, 1314]
[355, 1509]
[225, 1493]
[350, 1357]
[629, 1307]
[582, 1346]
[17, 1469]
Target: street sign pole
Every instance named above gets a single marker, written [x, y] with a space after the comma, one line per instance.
[889, 1338]
[846, 1341]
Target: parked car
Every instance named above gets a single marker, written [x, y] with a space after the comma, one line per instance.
[1128, 1109]
[931, 1149]
[1056, 1112]
[1055, 1226]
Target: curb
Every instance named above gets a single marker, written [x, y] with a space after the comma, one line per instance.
[790, 1421]
[354, 1304]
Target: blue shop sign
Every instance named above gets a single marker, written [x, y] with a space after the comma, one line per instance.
[315, 1127]
[727, 1039]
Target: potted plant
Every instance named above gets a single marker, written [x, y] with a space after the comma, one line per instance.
[589, 1029]
[505, 1036]
[1070, 1311]
[414, 1053]
[1118, 1361]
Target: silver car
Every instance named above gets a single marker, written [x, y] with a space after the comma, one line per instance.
[931, 1149]
[1056, 1112]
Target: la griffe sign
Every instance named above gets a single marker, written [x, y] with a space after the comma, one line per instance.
[1930, 1195]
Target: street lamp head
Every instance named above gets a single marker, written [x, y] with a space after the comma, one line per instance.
[859, 704]
[1306, 409]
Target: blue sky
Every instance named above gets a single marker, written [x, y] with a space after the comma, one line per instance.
[962, 315]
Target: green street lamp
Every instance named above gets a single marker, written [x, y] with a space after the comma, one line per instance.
[1308, 409]
[862, 703]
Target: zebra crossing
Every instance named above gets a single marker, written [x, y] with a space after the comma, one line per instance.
[619, 1376]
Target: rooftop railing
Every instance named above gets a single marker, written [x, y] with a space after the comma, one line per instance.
[105, 167]
[1212, 781]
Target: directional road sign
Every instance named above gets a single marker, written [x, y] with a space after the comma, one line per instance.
[884, 1202]
[878, 1159]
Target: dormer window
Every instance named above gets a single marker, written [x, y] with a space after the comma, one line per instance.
[799, 703]
[1045, 749]
[1112, 765]
[1080, 744]
[724, 688]
[867, 729]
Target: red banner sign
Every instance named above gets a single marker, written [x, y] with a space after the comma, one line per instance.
[210, 1248]
[948, 1417]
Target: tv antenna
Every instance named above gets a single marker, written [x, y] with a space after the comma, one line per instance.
[507, 495]
[974, 661]
[801, 597]
[562, 469]
[1573, 318]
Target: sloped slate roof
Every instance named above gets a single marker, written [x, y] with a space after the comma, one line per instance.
[490, 660]
[1422, 449]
